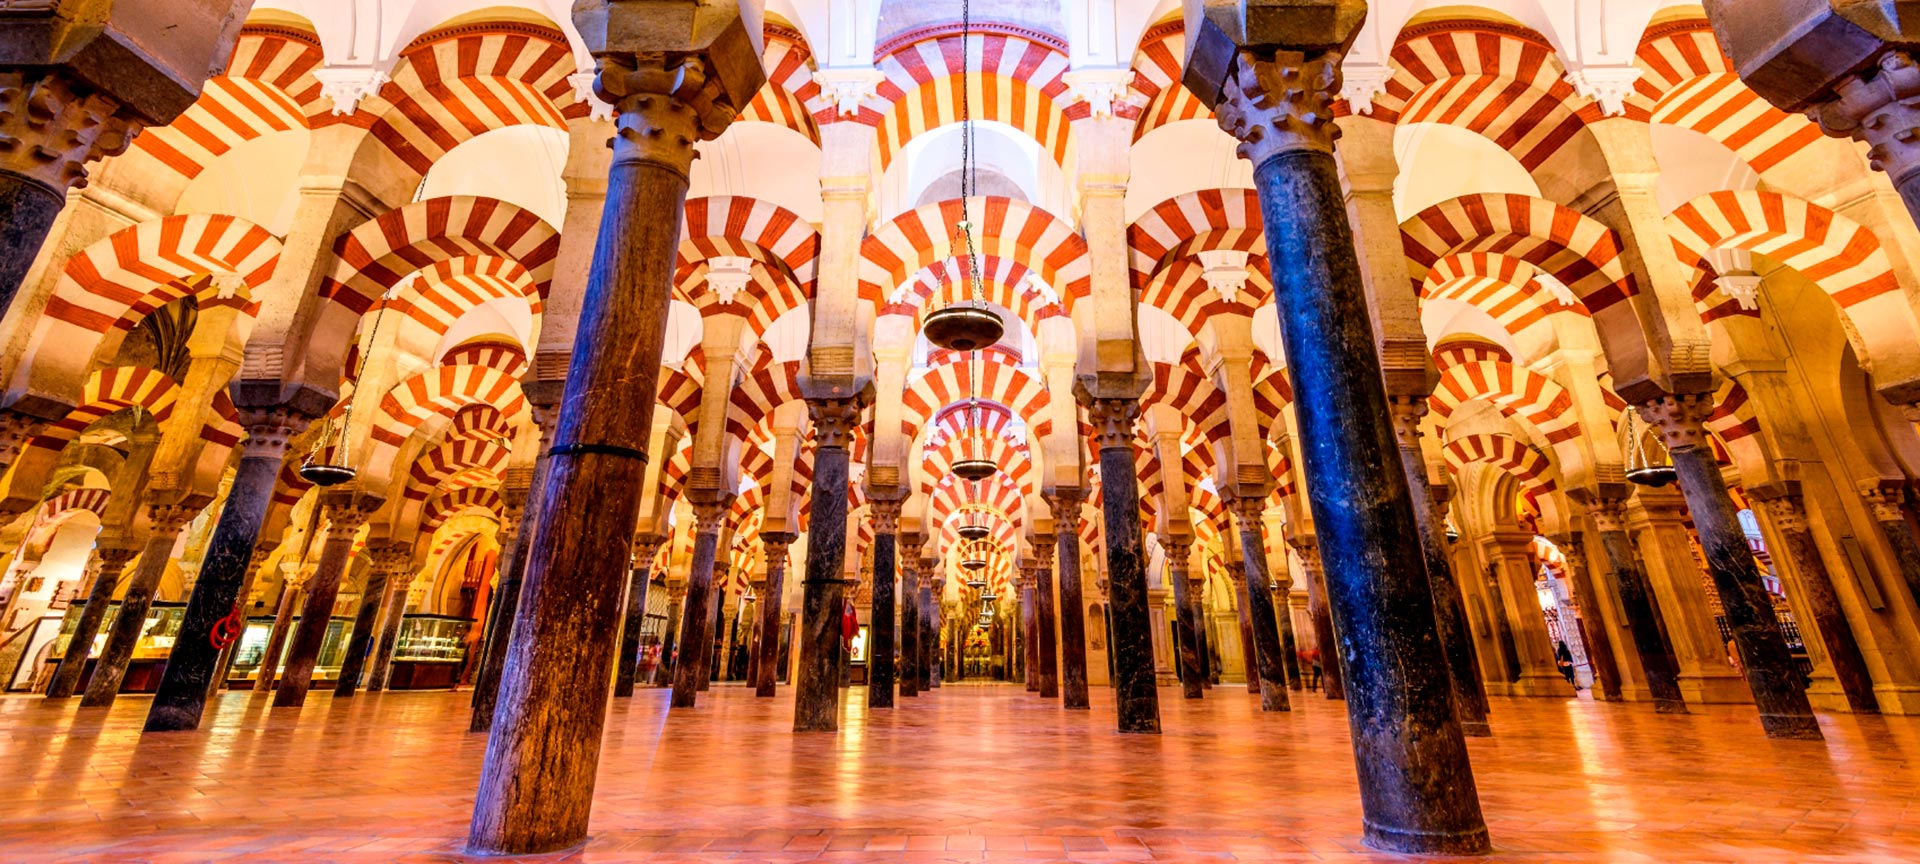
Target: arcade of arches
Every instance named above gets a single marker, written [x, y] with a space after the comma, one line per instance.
[450, 405]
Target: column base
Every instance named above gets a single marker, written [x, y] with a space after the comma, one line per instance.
[1716, 688]
[1825, 694]
[1902, 699]
[1791, 727]
[1417, 842]
[1476, 729]
[1542, 684]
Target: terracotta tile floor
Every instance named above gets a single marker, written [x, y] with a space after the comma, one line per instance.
[970, 773]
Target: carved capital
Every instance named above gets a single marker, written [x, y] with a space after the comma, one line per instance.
[834, 420]
[114, 559]
[1250, 511]
[1179, 549]
[710, 516]
[646, 547]
[1884, 501]
[1065, 504]
[846, 88]
[1788, 513]
[390, 558]
[50, 128]
[664, 107]
[15, 430]
[885, 513]
[1281, 104]
[1680, 419]
[1881, 108]
[1608, 514]
[170, 519]
[1113, 421]
[1044, 547]
[346, 513]
[1407, 412]
[269, 430]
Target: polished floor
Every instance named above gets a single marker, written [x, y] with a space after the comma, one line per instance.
[968, 773]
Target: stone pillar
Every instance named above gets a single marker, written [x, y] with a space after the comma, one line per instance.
[1065, 505]
[55, 125]
[886, 538]
[345, 513]
[1248, 512]
[1272, 88]
[1249, 655]
[774, 548]
[670, 87]
[670, 643]
[1136, 692]
[816, 692]
[522, 510]
[224, 667]
[194, 666]
[1776, 685]
[1046, 676]
[647, 547]
[167, 521]
[1657, 664]
[381, 672]
[389, 560]
[1788, 513]
[66, 676]
[931, 588]
[1593, 622]
[1185, 619]
[909, 558]
[696, 643]
[1030, 628]
[1196, 588]
[1331, 682]
[1510, 586]
[1884, 502]
[1449, 607]
[293, 579]
[1283, 615]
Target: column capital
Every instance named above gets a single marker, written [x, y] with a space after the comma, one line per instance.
[1680, 419]
[1113, 421]
[1281, 103]
[1065, 503]
[51, 127]
[1178, 547]
[1407, 411]
[1250, 509]
[115, 558]
[836, 413]
[646, 547]
[269, 430]
[885, 510]
[171, 518]
[390, 557]
[1884, 501]
[347, 511]
[1787, 512]
[1044, 548]
[710, 515]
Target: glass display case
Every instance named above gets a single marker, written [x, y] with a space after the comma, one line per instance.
[254, 640]
[150, 654]
[429, 653]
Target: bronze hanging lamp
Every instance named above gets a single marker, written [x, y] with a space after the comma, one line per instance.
[1648, 463]
[969, 324]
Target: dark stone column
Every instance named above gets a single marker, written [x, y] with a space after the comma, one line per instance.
[1047, 674]
[1788, 513]
[886, 530]
[1416, 786]
[1135, 692]
[389, 561]
[1065, 503]
[1502, 627]
[1249, 510]
[167, 520]
[66, 676]
[1283, 614]
[1196, 588]
[522, 510]
[293, 581]
[1186, 621]
[1776, 684]
[59, 126]
[1331, 683]
[543, 750]
[909, 557]
[932, 586]
[647, 548]
[695, 641]
[816, 704]
[1657, 663]
[1029, 623]
[345, 513]
[223, 669]
[1449, 606]
[670, 643]
[1884, 502]
[1593, 623]
[716, 616]
[194, 666]
[775, 545]
[1249, 656]
[397, 586]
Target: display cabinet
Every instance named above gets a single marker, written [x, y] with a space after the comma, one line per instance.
[150, 653]
[251, 649]
[429, 653]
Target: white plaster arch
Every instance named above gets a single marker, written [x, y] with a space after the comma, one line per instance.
[1441, 318]
[258, 180]
[1692, 165]
[999, 147]
[764, 161]
[1181, 157]
[537, 155]
[1439, 162]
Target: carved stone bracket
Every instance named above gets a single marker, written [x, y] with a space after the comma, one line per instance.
[1272, 106]
[51, 128]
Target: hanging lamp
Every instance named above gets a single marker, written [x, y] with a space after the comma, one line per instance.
[330, 473]
[1648, 463]
[969, 324]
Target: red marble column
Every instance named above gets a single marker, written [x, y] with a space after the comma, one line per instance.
[1065, 504]
[397, 586]
[1136, 693]
[1249, 511]
[880, 644]
[1047, 675]
[389, 560]
[1788, 513]
[695, 638]
[1178, 548]
[1249, 656]
[909, 555]
[774, 545]
[646, 548]
[816, 704]
[345, 512]
[1593, 625]
[166, 521]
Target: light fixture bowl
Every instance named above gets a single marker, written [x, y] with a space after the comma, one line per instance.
[974, 564]
[975, 532]
[975, 470]
[323, 475]
[1655, 476]
[964, 326]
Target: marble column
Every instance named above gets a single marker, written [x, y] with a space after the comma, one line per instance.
[1136, 694]
[293, 580]
[57, 125]
[522, 511]
[1185, 620]
[669, 90]
[1283, 614]
[1029, 627]
[1196, 588]
[646, 548]
[1593, 623]
[1770, 671]
[932, 586]
[1511, 575]
[670, 643]
[167, 521]
[1788, 513]
[345, 513]
[1331, 684]
[1249, 512]
[388, 560]
[1065, 504]
[381, 670]
[1449, 607]
[1658, 665]
[1046, 676]
[886, 538]
[66, 676]
[816, 704]
[909, 557]
[774, 546]
[223, 669]
[696, 642]
[194, 666]
[1416, 786]
[1884, 503]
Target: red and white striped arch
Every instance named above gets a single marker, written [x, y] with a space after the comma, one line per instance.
[719, 225]
[1507, 288]
[83, 500]
[441, 392]
[508, 359]
[1502, 81]
[108, 390]
[1519, 392]
[1191, 223]
[454, 456]
[1004, 281]
[1015, 230]
[680, 389]
[450, 288]
[1008, 78]
[1534, 471]
[766, 296]
[999, 381]
[481, 421]
[268, 87]
[1467, 350]
[1577, 250]
[452, 503]
[791, 97]
[376, 255]
[459, 82]
[761, 392]
[1189, 391]
[112, 284]
[1015, 461]
[1687, 81]
[1844, 258]
[1157, 97]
